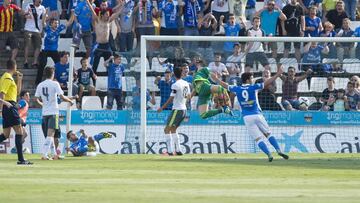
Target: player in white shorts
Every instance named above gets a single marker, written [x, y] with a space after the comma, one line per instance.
[180, 93]
[251, 111]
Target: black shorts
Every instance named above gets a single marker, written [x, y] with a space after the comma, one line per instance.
[22, 123]
[8, 38]
[10, 116]
[175, 118]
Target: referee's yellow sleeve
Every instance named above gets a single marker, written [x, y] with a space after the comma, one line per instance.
[5, 85]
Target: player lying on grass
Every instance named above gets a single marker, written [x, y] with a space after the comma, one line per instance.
[251, 111]
[180, 93]
[206, 90]
[84, 144]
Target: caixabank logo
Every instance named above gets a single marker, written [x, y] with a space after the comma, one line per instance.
[329, 142]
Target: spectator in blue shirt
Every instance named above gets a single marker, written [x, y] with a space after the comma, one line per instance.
[232, 29]
[169, 13]
[83, 15]
[115, 72]
[191, 11]
[307, 4]
[269, 16]
[352, 101]
[53, 8]
[329, 32]
[51, 42]
[250, 10]
[313, 25]
[344, 50]
[144, 19]
[84, 75]
[126, 22]
[312, 58]
[62, 72]
[136, 97]
[357, 34]
[165, 88]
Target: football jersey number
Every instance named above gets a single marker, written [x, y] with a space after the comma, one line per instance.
[45, 92]
[245, 95]
[185, 92]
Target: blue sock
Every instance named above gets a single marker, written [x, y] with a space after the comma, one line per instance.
[274, 143]
[263, 147]
[98, 137]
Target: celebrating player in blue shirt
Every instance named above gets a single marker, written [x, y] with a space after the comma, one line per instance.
[251, 111]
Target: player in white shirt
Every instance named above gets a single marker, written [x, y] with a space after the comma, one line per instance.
[47, 93]
[180, 93]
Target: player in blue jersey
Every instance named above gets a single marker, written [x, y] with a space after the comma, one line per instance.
[84, 144]
[251, 111]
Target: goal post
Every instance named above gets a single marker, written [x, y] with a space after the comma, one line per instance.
[306, 116]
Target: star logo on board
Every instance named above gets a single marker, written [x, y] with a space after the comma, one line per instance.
[292, 141]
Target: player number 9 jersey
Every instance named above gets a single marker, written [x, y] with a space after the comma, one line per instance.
[247, 97]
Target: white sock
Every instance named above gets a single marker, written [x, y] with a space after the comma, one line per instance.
[176, 141]
[169, 143]
[46, 147]
[52, 147]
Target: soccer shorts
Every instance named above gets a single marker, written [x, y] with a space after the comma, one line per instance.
[203, 88]
[175, 118]
[10, 116]
[50, 122]
[256, 125]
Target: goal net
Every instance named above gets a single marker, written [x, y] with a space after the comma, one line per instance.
[308, 111]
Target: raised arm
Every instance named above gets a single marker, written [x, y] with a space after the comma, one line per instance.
[72, 18]
[95, 17]
[279, 72]
[219, 81]
[118, 12]
[304, 76]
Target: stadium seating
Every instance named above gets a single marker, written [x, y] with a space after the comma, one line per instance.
[64, 106]
[287, 62]
[341, 83]
[101, 68]
[50, 62]
[318, 84]
[65, 44]
[278, 85]
[101, 83]
[151, 85]
[91, 103]
[156, 66]
[128, 102]
[77, 63]
[135, 64]
[303, 86]
[351, 65]
[278, 100]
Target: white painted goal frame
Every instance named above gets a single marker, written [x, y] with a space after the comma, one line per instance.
[145, 39]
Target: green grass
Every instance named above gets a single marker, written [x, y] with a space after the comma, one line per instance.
[191, 178]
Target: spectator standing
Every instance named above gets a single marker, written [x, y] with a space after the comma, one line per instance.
[207, 26]
[352, 102]
[169, 11]
[267, 98]
[250, 9]
[350, 8]
[62, 72]
[233, 63]
[136, 97]
[218, 67]
[84, 75]
[165, 88]
[254, 52]
[345, 49]
[269, 16]
[328, 97]
[83, 16]
[144, 19]
[312, 58]
[357, 34]
[307, 4]
[313, 25]
[293, 26]
[220, 8]
[337, 15]
[115, 72]
[232, 29]
[329, 32]
[35, 20]
[126, 23]
[52, 6]
[51, 44]
[191, 11]
[290, 97]
[327, 5]
[7, 11]
[102, 31]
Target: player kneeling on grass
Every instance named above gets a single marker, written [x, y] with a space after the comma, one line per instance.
[85, 145]
[206, 90]
[180, 93]
[251, 111]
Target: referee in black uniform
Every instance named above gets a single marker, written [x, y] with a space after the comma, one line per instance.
[9, 90]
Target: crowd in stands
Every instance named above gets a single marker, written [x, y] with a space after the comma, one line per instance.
[111, 29]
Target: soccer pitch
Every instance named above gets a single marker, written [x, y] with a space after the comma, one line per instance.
[190, 178]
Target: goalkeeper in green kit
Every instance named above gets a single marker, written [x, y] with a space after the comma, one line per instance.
[207, 91]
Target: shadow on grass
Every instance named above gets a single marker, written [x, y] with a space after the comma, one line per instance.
[311, 163]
